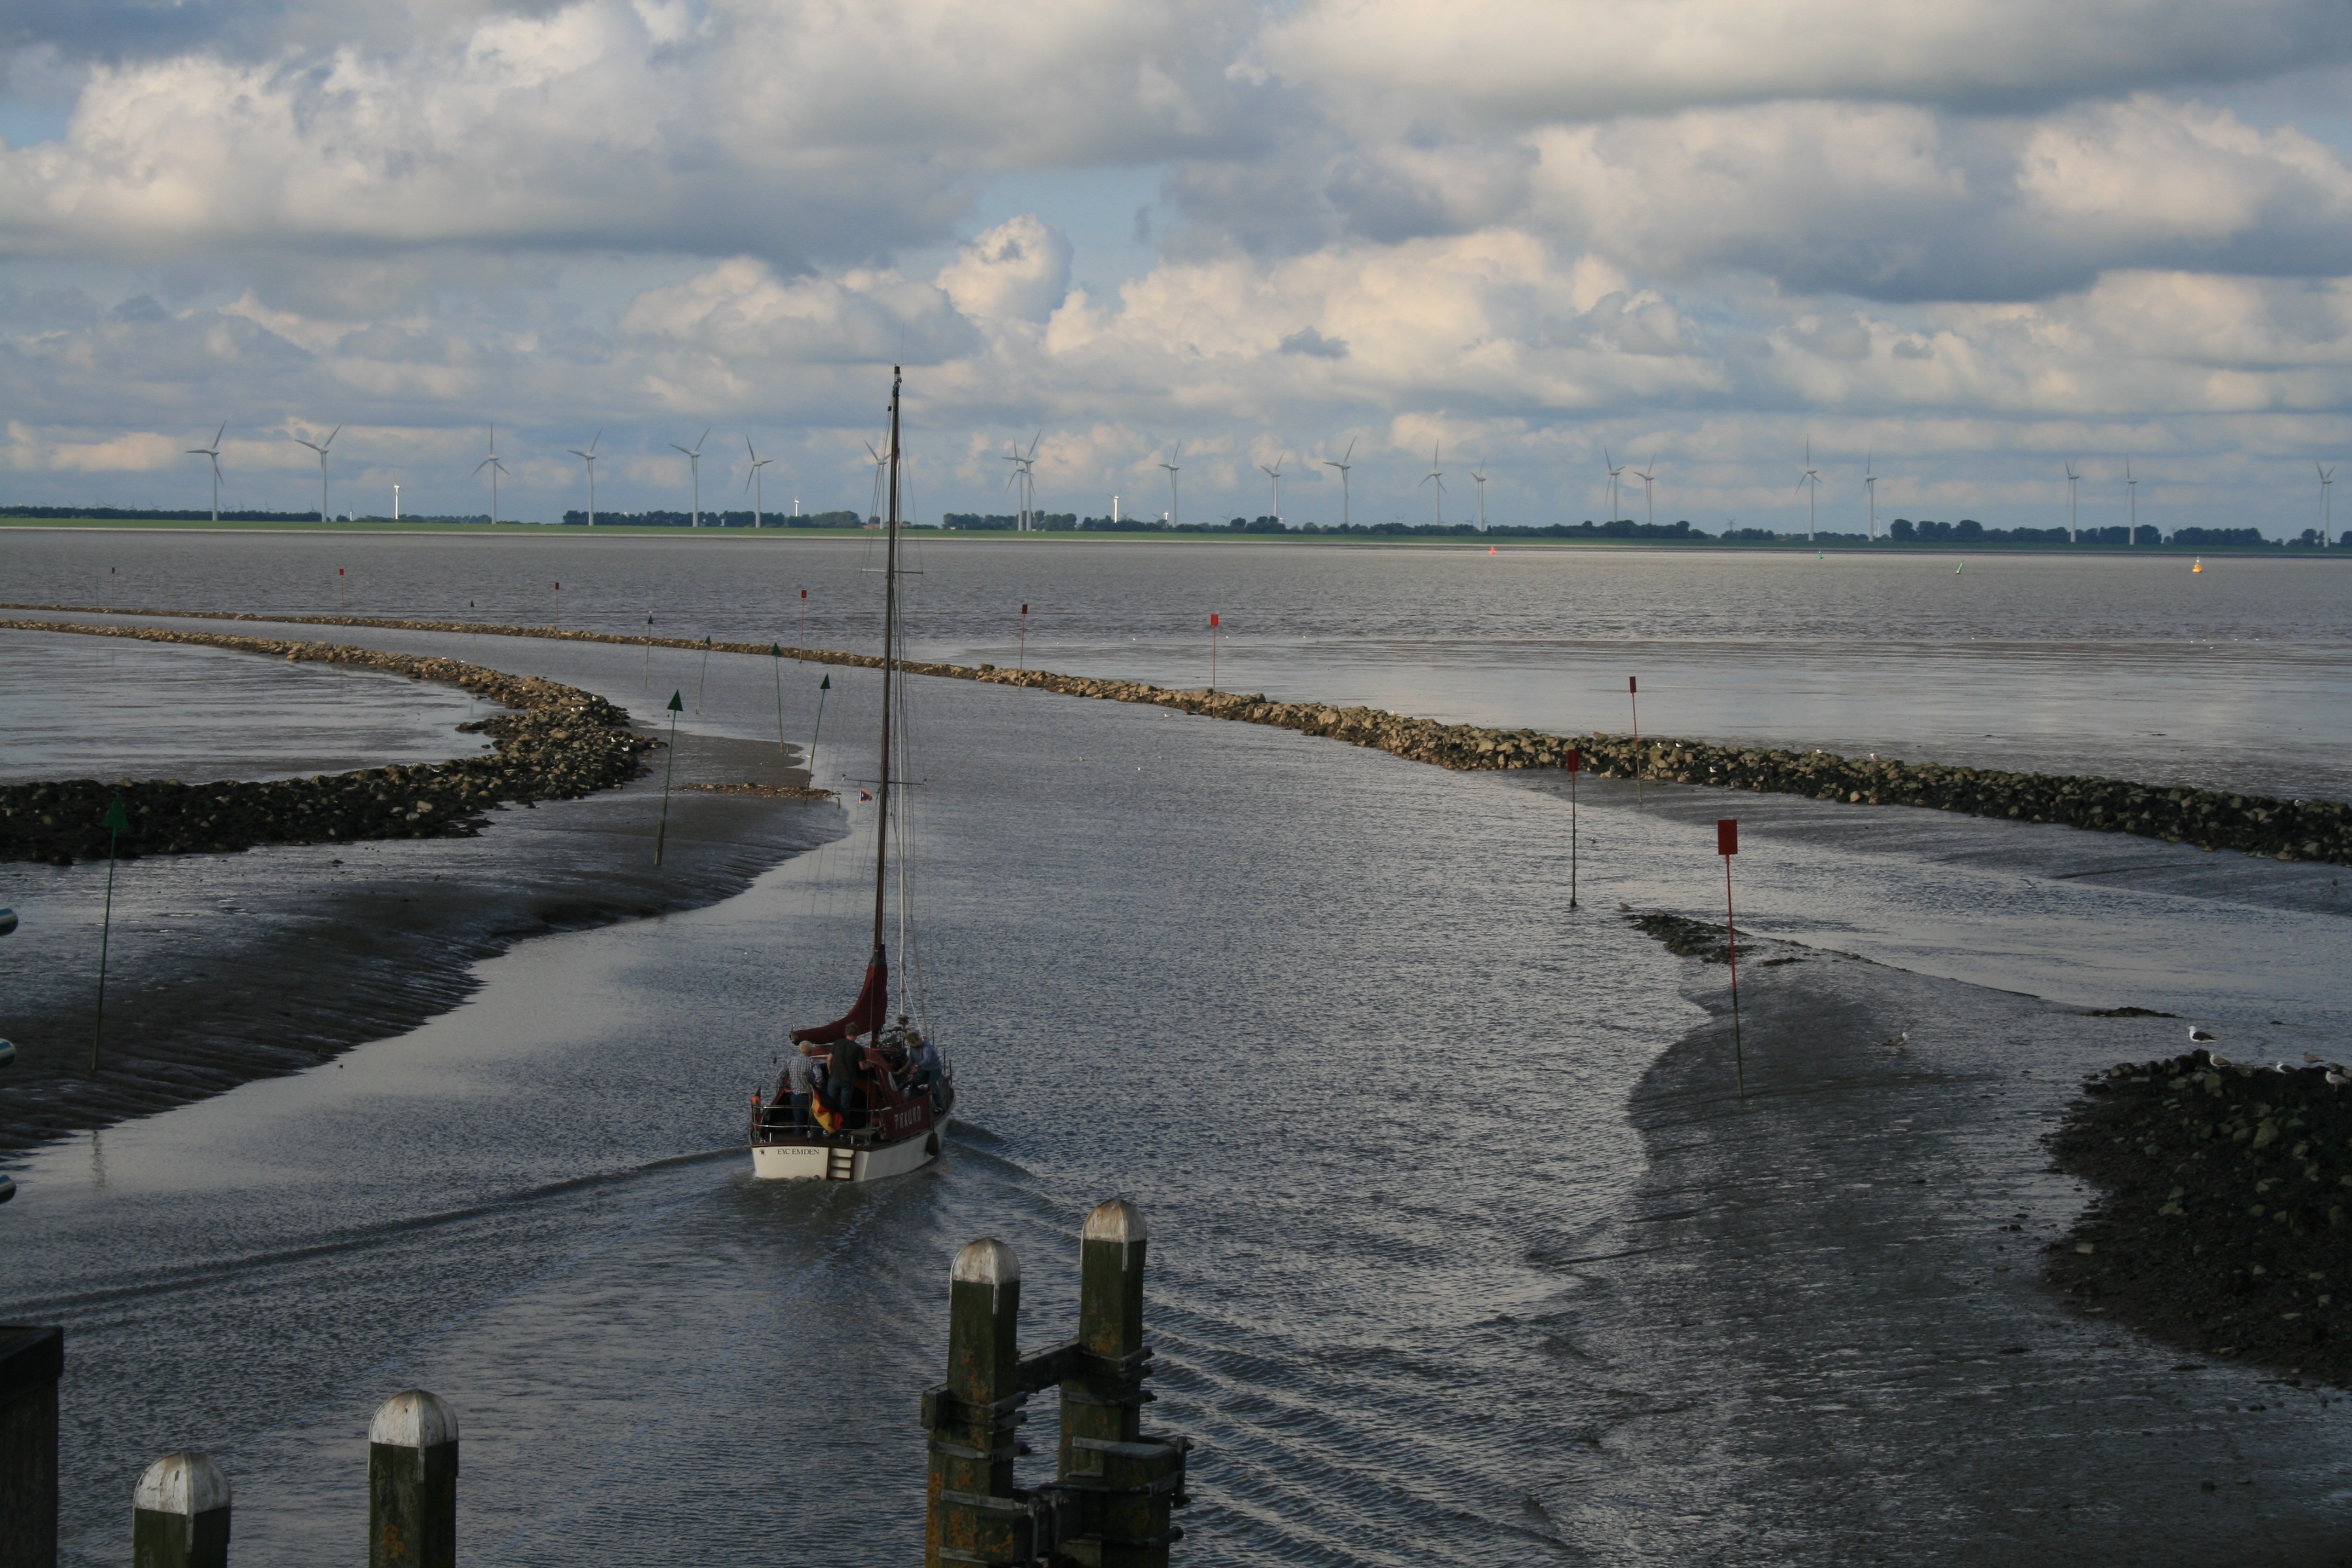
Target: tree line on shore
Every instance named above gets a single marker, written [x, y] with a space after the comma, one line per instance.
[1901, 531]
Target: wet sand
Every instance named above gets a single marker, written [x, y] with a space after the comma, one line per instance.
[1864, 1234]
[227, 968]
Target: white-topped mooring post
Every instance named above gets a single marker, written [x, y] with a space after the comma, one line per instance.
[1107, 1402]
[973, 1414]
[413, 1483]
[1127, 1480]
[179, 1515]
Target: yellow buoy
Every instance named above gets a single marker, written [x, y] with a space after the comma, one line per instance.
[2198, 565]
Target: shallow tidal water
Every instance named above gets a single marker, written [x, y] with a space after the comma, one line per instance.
[1391, 1110]
[2236, 678]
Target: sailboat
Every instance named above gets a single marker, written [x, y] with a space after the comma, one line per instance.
[888, 1123]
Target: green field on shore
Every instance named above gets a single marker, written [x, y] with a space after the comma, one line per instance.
[1157, 536]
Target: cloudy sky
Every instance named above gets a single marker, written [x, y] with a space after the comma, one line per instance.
[1968, 240]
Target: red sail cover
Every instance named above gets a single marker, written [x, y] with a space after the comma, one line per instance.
[864, 1016]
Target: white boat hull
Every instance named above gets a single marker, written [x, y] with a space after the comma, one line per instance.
[829, 1161]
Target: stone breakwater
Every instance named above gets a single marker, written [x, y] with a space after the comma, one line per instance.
[2225, 1223]
[2210, 820]
[556, 743]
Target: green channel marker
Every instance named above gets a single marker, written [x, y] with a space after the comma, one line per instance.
[776, 653]
[115, 820]
[676, 706]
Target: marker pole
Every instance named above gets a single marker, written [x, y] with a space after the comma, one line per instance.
[705, 679]
[777, 655]
[1212, 651]
[668, 768]
[340, 605]
[559, 603]
[803, 632]
[1727, 844]
[822, 688]
[648, 672]
[1575, 766]
[1025, 637]
[1641, 766]
[114, 822]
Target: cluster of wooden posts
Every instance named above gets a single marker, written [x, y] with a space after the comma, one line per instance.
[179, 1509]
[1107, 1506]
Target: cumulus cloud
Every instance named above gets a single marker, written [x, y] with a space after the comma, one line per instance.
[797, 133]
[1019, 270]
[1524, 230]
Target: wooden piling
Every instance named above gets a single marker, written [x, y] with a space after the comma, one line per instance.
[1108, 1505]
[413, 1483]
[973, 1516]
[1106, 1401]
[1128, 1482]
[32, 1359]
[179, 1514]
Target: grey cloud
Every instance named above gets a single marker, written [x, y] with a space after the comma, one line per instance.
[1308, 340]
[808, 135]
[1518, 62]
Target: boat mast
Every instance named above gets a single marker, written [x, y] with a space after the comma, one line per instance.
[889, 651]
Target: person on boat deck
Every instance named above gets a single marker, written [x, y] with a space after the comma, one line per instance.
[794, 1085]
[845, 1064]
[923, 1058]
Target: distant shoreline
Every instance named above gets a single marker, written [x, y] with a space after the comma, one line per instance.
[537, 531]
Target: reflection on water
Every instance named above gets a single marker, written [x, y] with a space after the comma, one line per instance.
[1238, 1007]
[2105, 664]
[1320, 1011]
[78, 707]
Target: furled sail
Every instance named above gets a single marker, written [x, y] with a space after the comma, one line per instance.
[865, 1016]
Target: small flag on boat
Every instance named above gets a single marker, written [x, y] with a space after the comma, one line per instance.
[863, 795]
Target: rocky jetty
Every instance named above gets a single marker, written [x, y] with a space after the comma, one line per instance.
[556, 743]
[2225, 1223]
[2210, 820]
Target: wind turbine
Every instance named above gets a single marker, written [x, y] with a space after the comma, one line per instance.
[1870, 483]
[1275, 473]
[589, 456]
[320, 447]
[881, 463]
[1649, 503]
[1615, 469]
[495, 468]
[1479, 475]
[1023, 480]
[2327, 510]
[1437, 474]
[2131, 488]
[752, 479]
[1811, 477]
[1175, 511]
[2073, 532]
[213, 452]
[694, 461]
[1342, 466]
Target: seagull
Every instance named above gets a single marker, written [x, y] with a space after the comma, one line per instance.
[2197, 1033]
